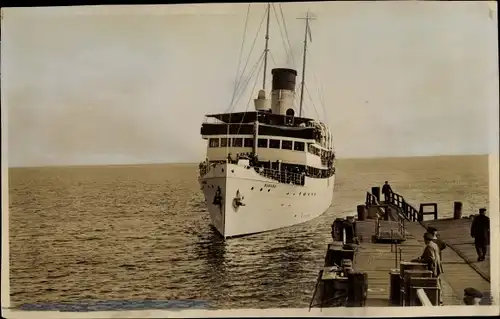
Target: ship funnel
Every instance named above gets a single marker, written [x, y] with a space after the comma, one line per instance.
[261, 103]
[283, 91]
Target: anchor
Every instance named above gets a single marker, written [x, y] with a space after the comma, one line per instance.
[237, 201]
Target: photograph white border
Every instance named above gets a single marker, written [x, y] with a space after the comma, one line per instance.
[463, 311]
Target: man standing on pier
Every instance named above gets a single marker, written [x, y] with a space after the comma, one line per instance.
[431, 257]
[480, 231]
[441, 245]
[386, 190]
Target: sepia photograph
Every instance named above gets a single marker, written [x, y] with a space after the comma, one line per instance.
[334, 158]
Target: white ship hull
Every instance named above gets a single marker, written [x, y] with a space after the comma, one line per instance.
[266, 203]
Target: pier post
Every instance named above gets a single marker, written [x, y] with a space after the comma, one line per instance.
[376, 192]
[395, 287]
[457, 210]
[337, 229]
[361, 212]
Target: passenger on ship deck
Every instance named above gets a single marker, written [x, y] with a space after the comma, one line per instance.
[441, 245]
[386, 190]
[472, 296]
[431, 257]
[480, 231]
[229, 159]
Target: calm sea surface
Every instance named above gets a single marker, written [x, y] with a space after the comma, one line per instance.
[142, 232]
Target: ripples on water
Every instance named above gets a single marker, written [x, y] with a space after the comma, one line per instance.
[142, 232]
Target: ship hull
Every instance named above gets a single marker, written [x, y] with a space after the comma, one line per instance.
[251, 203]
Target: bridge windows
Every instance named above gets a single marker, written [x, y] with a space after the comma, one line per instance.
[313, 150]
[262, 142]
[248, 142]
[237, 142]
[213, 142]
[274, 143]
[298, 146]
[279, 144]
[286, 145]
[225, 142]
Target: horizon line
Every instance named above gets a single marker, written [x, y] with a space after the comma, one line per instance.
[195, 163]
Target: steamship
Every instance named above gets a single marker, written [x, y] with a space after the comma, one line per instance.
[267, 168]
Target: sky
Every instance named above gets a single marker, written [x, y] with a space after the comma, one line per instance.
[131, 84]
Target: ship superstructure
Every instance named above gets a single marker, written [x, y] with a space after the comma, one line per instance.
[268, 168]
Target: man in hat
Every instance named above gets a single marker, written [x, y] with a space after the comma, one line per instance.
[480, 231]
[386, 190]
[472, 297]
[441, 245]
[431, 257]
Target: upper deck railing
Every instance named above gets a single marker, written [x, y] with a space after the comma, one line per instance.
[282, 176]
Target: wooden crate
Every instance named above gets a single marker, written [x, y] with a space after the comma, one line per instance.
[407, 281]
[431, 292]
[430, 285]
[409, 265]
[335, 254]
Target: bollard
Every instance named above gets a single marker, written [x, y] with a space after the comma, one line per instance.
[457, 210]
[337, 229]
[349, 231]
[376, 192]
[395, 287]
[357, 289]
[361, 212]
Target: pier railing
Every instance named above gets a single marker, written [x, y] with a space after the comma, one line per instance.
[409, 211]
[371, 199]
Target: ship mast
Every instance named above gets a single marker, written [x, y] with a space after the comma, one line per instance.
[266, 50]
[306, 33]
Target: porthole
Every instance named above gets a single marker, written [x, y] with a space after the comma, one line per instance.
[251, 188]
[269, 190]
[261, 189]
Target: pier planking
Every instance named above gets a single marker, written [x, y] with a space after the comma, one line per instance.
[461, 270]
[377, 260]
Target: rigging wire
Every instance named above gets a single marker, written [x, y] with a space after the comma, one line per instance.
[241, 54]
[319, 87]
[248, 57]
[248, 103]
[286, 33]
[256, 66]
[312, 102]
[288, 54]
[272, 59]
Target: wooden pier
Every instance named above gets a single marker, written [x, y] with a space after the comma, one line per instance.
[389, 234]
